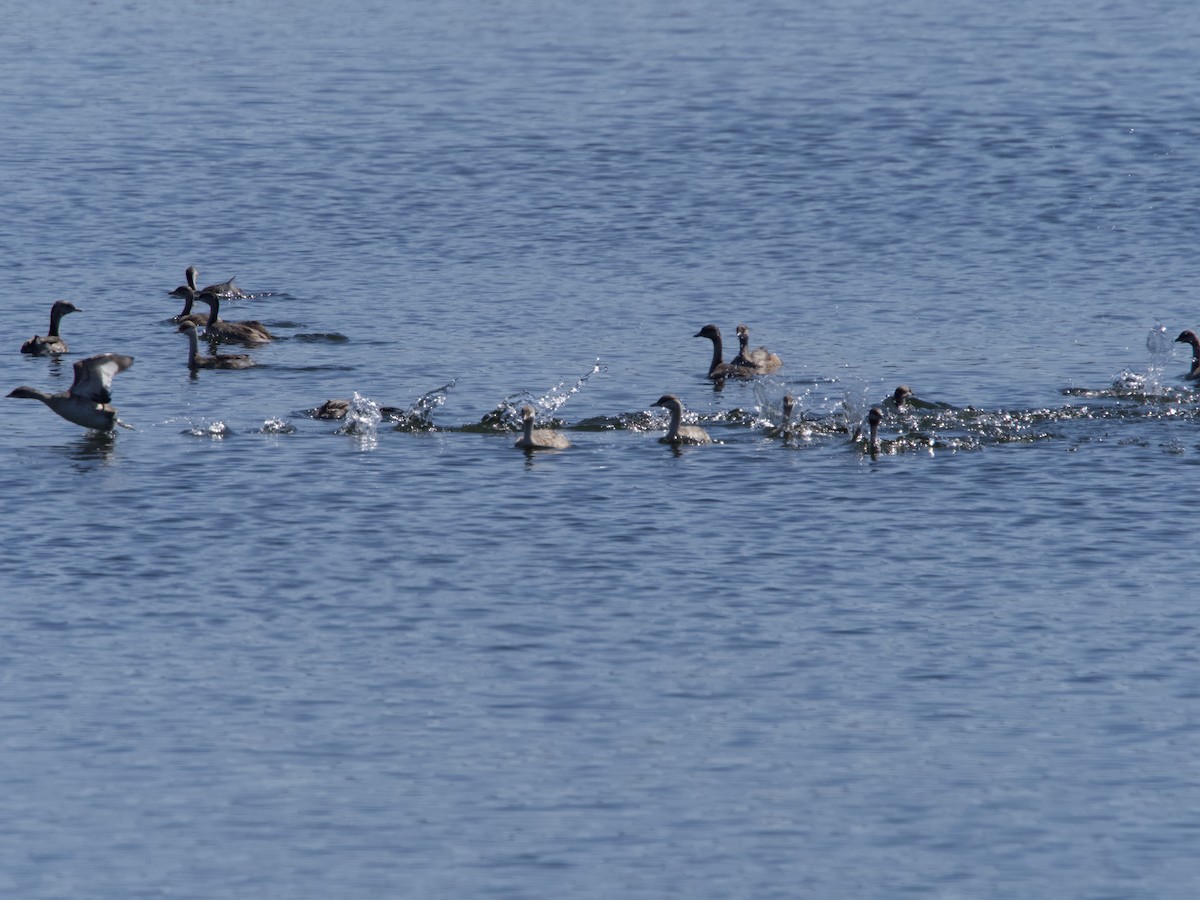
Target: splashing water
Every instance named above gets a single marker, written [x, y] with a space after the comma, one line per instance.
[419, 416]
[507, 415]
[362, 421]
[557, 397]
[216, 431]
[1158, 342]
[277, 426]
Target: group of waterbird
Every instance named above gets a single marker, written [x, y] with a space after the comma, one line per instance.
[88, 401]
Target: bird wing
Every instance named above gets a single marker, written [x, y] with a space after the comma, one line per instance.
[94, 375]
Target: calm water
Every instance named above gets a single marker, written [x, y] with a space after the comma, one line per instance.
[246, 655]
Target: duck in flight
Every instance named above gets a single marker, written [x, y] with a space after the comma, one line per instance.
[87, 401]
[42, 345]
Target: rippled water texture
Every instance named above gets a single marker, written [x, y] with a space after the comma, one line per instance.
[251, 648]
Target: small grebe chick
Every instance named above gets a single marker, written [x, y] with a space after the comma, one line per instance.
[676, 433]
[247, 332]
[718, 369]
[761, 359]
[539, 438]
[196, 361]
[86, 402]
[1189, 337]
[41, 345]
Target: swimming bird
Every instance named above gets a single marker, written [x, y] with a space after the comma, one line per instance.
[189, 289]
[539, 438]
[247, 332]
[760, 359]
[676, 433]
[874, 417]
[223, 289]
[1189, 337]
[718, 369]
[900, 397]
[41, 345]
[784, 428]
[187, 316]
[196, 361]
[86, 402]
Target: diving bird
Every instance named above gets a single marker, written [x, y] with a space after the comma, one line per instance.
[760, 359]
[41, 345]
[718, 369]
[87, 401]
[539, 438]
[676, 433]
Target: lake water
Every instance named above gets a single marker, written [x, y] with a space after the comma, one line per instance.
[248, 653]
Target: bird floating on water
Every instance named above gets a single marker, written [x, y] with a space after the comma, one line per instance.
[223, 289]
[539, 438]
[718, 369]
[874, 417]
[186, 315]
[900, 397]
[1189, 337]
[87, 401]
[43, 345]
[760, 359]
[676, 433]
[197, 361]
[247, 332]
[785, 429]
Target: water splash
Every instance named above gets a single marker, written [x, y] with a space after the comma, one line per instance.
[507, 415]
[419, 416]
[216, 431]
[1159, 343]
[557, 397]
[362, 421]
[277, 426]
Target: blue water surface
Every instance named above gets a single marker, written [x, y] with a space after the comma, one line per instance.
[246, 652]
